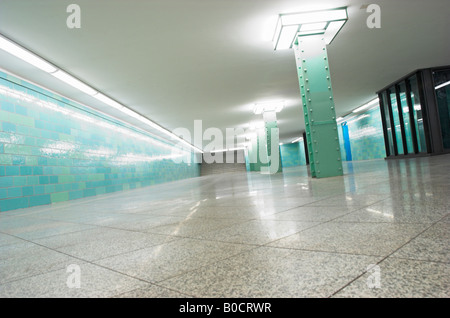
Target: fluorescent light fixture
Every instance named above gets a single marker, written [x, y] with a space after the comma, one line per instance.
[313, 26]
[25, 55]
[72, 81]
[132, 113]
[31, 58]
[108, 101]
[287, 37]
[327, 22]
[372, 103]
[442, 85]
[297, 140]
[260, 108]
[332, 30]
[339, 118]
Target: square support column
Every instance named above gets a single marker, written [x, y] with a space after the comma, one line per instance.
[318, 106]
[272, 138]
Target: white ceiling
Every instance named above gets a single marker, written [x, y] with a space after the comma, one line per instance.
[176, 61]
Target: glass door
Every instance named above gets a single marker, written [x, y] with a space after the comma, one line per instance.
[407, 124]
[417, 113]
[442, 88]
[397, 130]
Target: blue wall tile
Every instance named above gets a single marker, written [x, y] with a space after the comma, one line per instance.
[40, 200]
[9, 107]
[18, 160]
[8, 127]
[26, 171]
[12, 170]
[6, 182]
[27, 191]
[14, 192]
[13, 204]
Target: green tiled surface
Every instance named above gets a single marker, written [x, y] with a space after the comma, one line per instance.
[293, 154]
[366, 136]
[54, 150]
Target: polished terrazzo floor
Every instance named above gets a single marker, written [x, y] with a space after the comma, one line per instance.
[382, 230]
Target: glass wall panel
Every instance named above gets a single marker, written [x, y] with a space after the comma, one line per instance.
[398, 131]
[406, 119]
[442, 87]
[418, 117]
[388, 124]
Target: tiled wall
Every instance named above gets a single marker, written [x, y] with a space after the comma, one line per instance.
[366, 136]
[293, 154]
[52, 150]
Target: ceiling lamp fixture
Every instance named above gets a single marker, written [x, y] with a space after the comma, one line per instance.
[261, 108]
[326, 22]
[297, 140]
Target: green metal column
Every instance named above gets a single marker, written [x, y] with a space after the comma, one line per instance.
[318, 107]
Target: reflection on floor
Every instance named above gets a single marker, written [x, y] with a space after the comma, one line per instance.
[382, 230]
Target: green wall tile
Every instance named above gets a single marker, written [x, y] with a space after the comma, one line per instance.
[70, 158]
[59, 197]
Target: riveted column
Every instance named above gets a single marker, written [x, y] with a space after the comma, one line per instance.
[301, 80]
[318, 107]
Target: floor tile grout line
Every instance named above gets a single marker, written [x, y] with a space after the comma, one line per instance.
[383, 259]
[321, 251]
[319, 223]
[91, 262]
[253, 247]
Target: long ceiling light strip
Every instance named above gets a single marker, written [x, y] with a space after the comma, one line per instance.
[370, 104]
[14, 49]
[72, 81]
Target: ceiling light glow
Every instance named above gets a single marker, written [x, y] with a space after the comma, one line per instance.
[260, 108]
[31, 58]
[370, 104]
[72, 81]
[313, 26]
[25, 55]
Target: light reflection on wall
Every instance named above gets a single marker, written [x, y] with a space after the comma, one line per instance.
[88, 119]
[53, 150]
